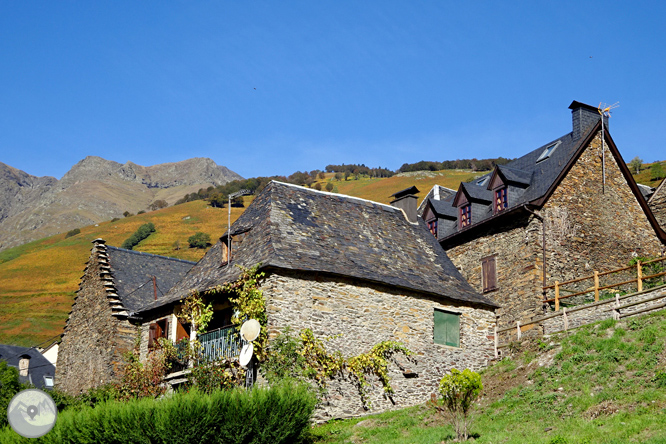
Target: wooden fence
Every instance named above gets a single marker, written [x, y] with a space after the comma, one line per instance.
[616, 307]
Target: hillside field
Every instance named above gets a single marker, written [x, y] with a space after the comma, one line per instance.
[38, 280]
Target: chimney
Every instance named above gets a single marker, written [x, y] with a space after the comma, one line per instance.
[583, 118]
[406, 200]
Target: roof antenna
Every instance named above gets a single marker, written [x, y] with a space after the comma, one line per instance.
[604, 111]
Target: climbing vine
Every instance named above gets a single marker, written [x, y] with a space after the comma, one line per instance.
[195, 312]
[320, 365]
[248, 302]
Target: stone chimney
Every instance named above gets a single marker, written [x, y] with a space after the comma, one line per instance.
[406, 200]
[583, 118]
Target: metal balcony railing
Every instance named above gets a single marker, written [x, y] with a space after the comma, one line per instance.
[220, 343]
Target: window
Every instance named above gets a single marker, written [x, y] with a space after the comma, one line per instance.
[500, 200]
[447, 328]
[465, 215]
[489, 273]
[432, 226]
[548, 151]
[157, 330]
[48, 381]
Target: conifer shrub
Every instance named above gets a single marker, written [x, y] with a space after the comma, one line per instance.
[140, 234]
[277, 415]
[73, 232]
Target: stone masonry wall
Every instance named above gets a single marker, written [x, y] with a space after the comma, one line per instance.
[94, 341]
[586, 230]
[597, 228]
[658, 205]
[517, 251]
[356, 316]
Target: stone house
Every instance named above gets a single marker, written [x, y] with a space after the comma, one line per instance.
[100, 328]
[657, 204]
[354, 271]
[559, 212]
[33, 367]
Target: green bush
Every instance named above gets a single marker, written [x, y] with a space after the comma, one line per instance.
[199, 240]
[73, 232]
[277, 415]
[140, 234]
[657, 172]
[9, 386]
[459, 390]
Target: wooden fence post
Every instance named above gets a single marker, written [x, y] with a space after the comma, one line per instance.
[557, 296]
[639, 273]
[518, 328]
[596, 286]
[566, 320]
[496, 343]
[616, 308]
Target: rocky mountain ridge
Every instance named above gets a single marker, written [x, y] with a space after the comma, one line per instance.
[94, 190]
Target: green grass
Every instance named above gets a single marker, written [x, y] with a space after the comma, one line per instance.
[606, 384]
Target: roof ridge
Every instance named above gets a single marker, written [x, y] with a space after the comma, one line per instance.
[150, 254]
[344, 196]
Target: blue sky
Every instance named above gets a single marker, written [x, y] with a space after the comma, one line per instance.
[273, 87]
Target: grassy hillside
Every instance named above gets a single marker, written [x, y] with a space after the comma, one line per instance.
[38, 279]
[604, 383]
[645, 174]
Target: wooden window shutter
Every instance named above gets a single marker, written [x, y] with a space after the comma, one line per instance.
[165, 332]
[152, 335]
[489, 273]
[446, 328]
[181, 333]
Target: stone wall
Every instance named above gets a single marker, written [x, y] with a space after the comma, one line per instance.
[658, 205]
[517, 250]
[94, 341]
[587, 228]
[355, 316]
[598, 311]
[600, 227]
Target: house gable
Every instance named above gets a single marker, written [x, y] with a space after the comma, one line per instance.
[657, 204]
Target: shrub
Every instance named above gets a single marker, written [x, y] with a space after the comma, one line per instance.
[115, 219]
[657, 172]
[73, 232]
[199, 240]
[329, 187]
[459, 390]
[141, 212]
[278, 415]
[140, 234]
[127, 214]
[158, 204]
[9, 386]
[317, 186]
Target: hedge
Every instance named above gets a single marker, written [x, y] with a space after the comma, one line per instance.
[281, 414]
[140, 234]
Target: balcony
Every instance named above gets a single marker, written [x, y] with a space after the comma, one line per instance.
[220, 343]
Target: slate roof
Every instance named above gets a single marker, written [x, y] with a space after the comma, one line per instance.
[441, 191]
[38, 368]
[133, 271]
[297, 228]
[536, 179]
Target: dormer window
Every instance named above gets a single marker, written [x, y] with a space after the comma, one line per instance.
[500, 199]
[465, 215]
[432, 226]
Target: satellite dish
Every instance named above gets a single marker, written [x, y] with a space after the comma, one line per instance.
[250, 330]
[246, 355]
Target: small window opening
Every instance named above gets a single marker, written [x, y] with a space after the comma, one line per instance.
[548, 151]
[489, 273]
[49, 381]
[465, 215]
[432, 226]
[500, 200]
